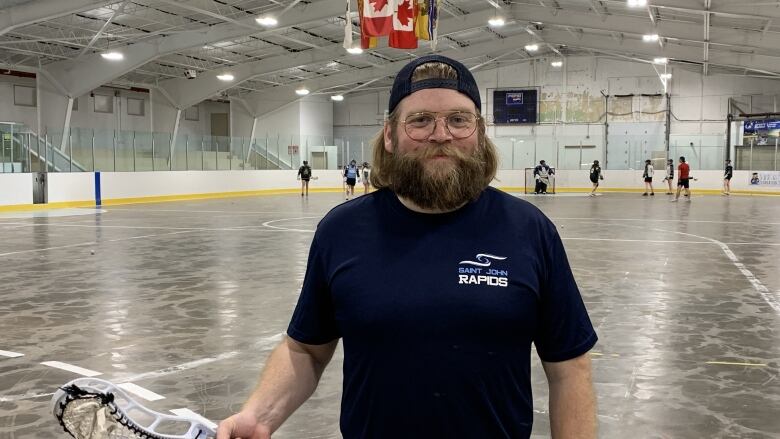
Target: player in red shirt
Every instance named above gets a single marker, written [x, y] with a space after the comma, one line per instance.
[683, 177]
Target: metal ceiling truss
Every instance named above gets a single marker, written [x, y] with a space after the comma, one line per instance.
[162, 38]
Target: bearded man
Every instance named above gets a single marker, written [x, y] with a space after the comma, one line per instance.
[454, 282]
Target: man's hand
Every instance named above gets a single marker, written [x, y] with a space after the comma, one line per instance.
[242, 425]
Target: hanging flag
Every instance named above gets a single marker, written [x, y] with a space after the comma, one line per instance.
[426, 19]
[366, 42]
[348, 28]
[404, 17]
[376, 17]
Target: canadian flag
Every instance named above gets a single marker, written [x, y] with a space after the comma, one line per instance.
[376, 18]
[404, 18]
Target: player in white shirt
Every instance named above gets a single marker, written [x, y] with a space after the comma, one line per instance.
[648, 176]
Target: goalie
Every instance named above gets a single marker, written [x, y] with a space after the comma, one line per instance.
[542, 173]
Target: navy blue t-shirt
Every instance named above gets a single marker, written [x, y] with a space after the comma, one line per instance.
[437, 313]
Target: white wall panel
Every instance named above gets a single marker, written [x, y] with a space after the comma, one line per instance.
[16, 189]
[75, 186]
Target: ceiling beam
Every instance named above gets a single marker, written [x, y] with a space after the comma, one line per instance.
[118, 10]
[189, 7]
[40, 10]
[186, 92]
[91, 71]
[265, 102]
[737, 9]
[636, 25]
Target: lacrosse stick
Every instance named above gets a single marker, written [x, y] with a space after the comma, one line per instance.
[90, 408]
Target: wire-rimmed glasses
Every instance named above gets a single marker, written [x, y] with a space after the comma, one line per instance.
[460, 124]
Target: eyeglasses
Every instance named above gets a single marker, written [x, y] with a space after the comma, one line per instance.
[460, 124]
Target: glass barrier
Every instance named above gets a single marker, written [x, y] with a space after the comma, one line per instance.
[104, 150]
[81, 148]
[161, 151]
[142, 152]
[124, 157]
[569, 147]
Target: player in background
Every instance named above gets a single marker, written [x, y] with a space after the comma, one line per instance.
[304, 175]
[683, 177]
[727, 174]
[648, 176]
[542, 172]
[365, 173]
[595, 176]
[669, 179]
[352, 175]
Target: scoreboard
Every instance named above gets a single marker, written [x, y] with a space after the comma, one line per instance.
[516, 106]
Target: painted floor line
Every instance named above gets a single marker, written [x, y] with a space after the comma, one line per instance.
[13, 398]
[741, 223]
[728, 363]
[177, 368]
[653, 241]
[140, 391]
[771, 299]
[636, 240]
[10, 354]
[182, 229]
[83, 244]
[71, 368]
[187, 413]
[287, 229]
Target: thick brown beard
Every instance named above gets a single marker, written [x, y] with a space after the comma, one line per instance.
[442, 186]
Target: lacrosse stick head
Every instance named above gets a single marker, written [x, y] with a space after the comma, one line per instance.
[90, 408]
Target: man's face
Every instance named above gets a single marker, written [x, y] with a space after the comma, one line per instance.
[439, 171]
[432, 100]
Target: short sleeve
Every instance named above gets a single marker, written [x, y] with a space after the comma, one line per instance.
[313, 321]
[564, 330]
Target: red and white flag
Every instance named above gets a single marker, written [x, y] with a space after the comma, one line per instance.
[376, 18]
[404, 19]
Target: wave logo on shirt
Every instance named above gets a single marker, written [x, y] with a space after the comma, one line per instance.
[484, 260]
[481, 273]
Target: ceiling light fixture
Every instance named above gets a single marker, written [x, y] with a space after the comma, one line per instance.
[557, 64]
[660, 60]
[355, 50]
[496, 22]
[266, 21]
[337, 98]
[112, 55]
[649, 38]
[532, 47]
[225, 77]
[666, 76]
[303, 91]
[637, 3]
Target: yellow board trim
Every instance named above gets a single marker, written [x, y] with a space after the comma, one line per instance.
[36, 207]
[266, 192]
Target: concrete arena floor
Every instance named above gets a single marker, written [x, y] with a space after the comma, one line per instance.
[187, 299]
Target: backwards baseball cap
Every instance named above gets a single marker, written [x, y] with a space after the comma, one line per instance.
[403, 85]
